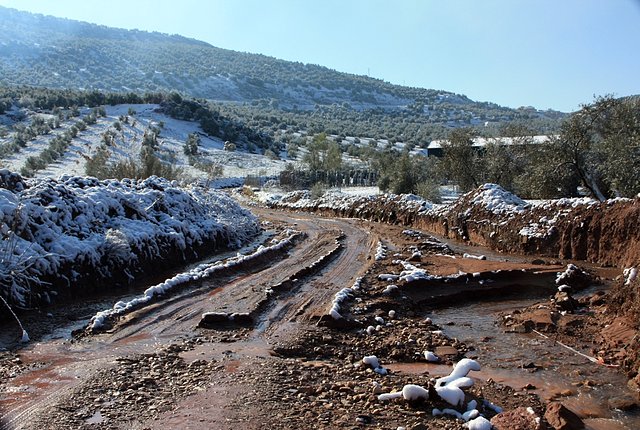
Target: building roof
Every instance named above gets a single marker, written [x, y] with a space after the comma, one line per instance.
[480, 142]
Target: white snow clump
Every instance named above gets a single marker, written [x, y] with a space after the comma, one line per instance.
[381, 252]
[372, 360]
[390, 289]
[630, 274]
[567, 274]
[479, 423]
[476, 257]
[497, 200]
[431, 357]
[340, 297]
[449, 388]
[411, 392]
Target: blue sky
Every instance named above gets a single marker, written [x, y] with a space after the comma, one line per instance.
[553, 54]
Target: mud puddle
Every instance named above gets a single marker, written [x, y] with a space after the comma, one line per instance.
[60, 320]
[535, 364]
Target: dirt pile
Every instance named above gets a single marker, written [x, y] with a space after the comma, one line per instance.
[59, 234]
[580, 229]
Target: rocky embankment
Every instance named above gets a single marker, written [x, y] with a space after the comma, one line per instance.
[605, 233]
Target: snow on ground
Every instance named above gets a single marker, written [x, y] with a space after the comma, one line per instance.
[173, 134]
[58, 228]
[341, 201]
[200, 272]
[448, 388]
[536, 220]
[496, 199]
[33, 148]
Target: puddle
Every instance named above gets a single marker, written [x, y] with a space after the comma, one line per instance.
[583, 386]
[96, 418]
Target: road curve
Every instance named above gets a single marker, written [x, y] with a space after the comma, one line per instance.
[58, 367]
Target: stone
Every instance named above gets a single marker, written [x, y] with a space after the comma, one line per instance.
[364, 419]
[565, 302]
[623, 403]
[518, 419]
[212, 318]
[444, 351]
[562, 418]
[242, 318]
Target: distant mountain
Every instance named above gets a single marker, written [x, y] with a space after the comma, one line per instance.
[51, 52]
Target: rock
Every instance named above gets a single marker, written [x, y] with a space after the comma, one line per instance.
[446, 351]
[562, 418]
[569, 321]
[530, 365]
[520, 418]
[243, 318]
[539, 319]
[623, 403]
[420, 427]
[565, 302]
[598, 299]
[364, 419]
[213, 318]
[342, 323]
[575, 277]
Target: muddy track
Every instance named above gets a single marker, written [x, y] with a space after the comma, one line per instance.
[59, 368]
[160, 367]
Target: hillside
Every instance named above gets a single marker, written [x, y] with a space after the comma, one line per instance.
[51, 143]
[59, 53]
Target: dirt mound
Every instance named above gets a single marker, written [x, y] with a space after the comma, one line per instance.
[61, 233]
[580, 229]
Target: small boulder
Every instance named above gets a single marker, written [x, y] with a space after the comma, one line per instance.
[562, 418]
[565, 302]
[520, 418]
[575, 277]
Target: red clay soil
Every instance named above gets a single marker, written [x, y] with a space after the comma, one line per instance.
[606, 234]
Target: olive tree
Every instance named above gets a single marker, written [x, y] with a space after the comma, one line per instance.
[461, 162]
[601, 145]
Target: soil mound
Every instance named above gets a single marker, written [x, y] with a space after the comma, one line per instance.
[59, 233]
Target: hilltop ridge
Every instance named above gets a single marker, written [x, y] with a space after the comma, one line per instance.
[52, 52]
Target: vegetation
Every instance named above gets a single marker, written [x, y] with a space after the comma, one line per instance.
[58, 145]
[56, 53]
[597, 149]
[148, 164]
[600, 145]
[594, 151]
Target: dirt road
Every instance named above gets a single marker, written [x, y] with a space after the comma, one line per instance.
[277, 364]
[50, 372]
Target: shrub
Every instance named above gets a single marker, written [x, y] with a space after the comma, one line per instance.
[317, 190]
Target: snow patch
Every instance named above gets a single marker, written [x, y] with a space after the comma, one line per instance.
[111, 226]
[374, 363]
[630, 274]
[479, 423]
[341, 296]
[203, 271]
[381, 252]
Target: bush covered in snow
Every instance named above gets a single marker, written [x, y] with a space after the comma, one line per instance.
[496, 199]
[59, 232]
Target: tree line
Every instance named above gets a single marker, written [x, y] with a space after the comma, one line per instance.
[595, 152]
